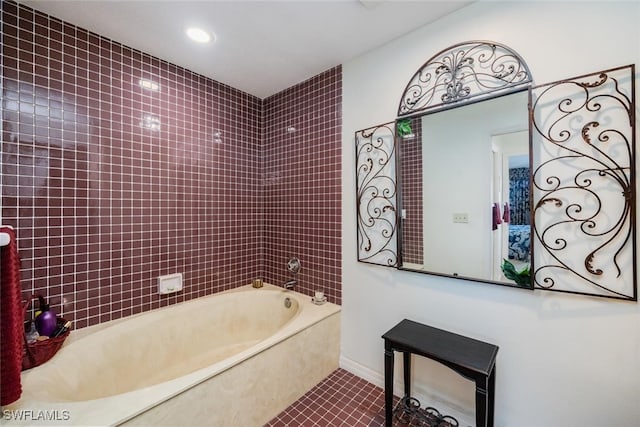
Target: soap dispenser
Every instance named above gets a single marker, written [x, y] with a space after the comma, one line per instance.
[46, 321]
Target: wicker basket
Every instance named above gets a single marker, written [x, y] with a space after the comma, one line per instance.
[38, 352]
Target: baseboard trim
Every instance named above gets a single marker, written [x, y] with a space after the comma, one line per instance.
[420, 392]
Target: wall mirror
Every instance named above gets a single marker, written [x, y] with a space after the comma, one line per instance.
[462, 131]
[500, 181]
[464, 181]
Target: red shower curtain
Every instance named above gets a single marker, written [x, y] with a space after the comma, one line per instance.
[11, 319]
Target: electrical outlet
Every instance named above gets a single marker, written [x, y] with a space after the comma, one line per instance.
[461, 218]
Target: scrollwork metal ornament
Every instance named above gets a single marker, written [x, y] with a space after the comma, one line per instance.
[376, 197]
[464, 73]
[583, 139]
[410, 413]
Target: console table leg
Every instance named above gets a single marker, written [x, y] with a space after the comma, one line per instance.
[481, 403]
[388, 387]
[491, 391]
[406, 358]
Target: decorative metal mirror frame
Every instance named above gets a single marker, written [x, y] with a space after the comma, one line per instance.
[463, 73]
[376, 195]
[477, 70]
[591, 148]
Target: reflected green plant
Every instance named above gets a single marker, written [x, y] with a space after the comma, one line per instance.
[403, 127]
[522, 277]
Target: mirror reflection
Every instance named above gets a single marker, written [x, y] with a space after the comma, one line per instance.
[464, 191]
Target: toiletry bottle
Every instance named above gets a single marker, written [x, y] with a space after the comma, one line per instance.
[46, 321]
[32, 334]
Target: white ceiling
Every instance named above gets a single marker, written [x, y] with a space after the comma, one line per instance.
[262, 47]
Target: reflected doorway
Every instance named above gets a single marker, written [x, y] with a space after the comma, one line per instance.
[511, 203]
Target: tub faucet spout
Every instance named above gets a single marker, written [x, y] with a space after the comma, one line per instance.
[293, 266]
[289, 284]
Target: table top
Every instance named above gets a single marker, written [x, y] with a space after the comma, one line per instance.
[444, 346]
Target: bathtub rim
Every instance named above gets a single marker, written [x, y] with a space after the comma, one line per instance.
[78, 334]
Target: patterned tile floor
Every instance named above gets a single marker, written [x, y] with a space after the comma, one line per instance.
[344, 400]
[341, 399]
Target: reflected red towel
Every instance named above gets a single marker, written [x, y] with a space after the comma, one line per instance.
[496, 216]
[11, 319]
[506, 216]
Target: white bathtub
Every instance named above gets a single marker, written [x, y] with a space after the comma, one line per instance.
[234, 358]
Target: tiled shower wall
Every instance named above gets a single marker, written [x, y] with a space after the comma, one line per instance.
[302, 155]
[111, 183]
[410, 152]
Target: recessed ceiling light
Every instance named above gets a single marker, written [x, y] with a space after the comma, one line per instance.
[198, 34]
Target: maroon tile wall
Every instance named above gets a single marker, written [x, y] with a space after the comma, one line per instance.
[302, 182]
[410, 152]
[111, 185]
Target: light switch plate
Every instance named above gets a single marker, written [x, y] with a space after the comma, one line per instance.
[461, 218]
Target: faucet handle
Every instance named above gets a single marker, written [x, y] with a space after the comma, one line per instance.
[294, 265]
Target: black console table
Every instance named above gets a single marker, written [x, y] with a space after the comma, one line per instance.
[470, 358]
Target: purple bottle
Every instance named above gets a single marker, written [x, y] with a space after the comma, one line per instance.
[46, 321]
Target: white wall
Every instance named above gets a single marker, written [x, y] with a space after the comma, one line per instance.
[563, 360]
